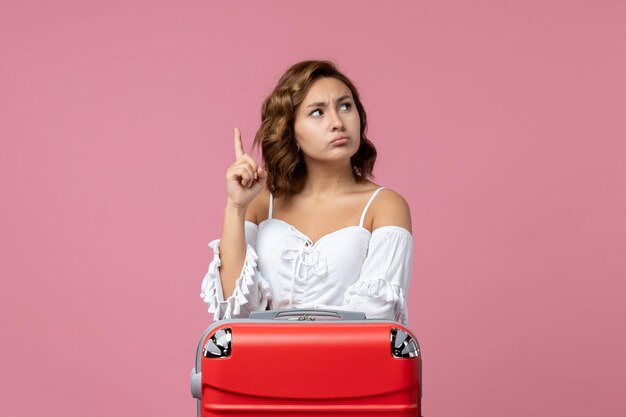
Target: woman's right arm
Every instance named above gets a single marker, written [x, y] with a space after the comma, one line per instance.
[244, 180]
[233, 280]
[232, 247]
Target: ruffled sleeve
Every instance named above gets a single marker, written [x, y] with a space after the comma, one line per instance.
[251, 293]
[381, 290]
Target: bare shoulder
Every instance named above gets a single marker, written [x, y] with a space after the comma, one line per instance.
[259, 207]
[389, 208]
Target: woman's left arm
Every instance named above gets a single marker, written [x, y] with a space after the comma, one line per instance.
[382, 287]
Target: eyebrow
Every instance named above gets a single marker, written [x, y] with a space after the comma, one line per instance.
[323, 103]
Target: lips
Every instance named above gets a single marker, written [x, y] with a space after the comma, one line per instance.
[342, 138]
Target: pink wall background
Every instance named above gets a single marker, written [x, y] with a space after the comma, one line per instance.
[502, 123]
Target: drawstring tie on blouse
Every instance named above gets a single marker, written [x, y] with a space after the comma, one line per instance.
[306, 256]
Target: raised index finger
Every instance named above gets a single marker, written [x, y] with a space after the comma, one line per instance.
[238, 145]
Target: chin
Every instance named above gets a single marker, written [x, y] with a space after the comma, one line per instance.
[332, 159]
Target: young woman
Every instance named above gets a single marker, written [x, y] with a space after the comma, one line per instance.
[310, 230]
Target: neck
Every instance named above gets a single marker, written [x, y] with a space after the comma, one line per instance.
[326, 179]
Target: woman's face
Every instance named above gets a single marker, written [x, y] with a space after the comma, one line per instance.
[327, 124]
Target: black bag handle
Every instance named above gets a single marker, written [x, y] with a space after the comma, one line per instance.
[307, 314]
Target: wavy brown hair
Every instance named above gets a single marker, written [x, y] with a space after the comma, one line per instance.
[276, 136]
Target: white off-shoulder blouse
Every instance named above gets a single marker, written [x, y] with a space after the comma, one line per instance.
[349, 269]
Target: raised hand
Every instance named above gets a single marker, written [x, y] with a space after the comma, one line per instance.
[245, 178]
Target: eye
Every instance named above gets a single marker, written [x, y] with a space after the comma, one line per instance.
[314, 111]
[349, 105]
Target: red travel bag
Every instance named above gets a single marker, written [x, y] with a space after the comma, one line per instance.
[307, 362]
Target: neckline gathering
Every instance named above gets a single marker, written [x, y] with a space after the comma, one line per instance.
[378, 229]
[323, 237]
[314, 244]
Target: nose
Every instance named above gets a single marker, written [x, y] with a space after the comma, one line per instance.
[336, 122]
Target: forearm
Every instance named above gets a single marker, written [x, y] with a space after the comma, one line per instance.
[232, 247]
